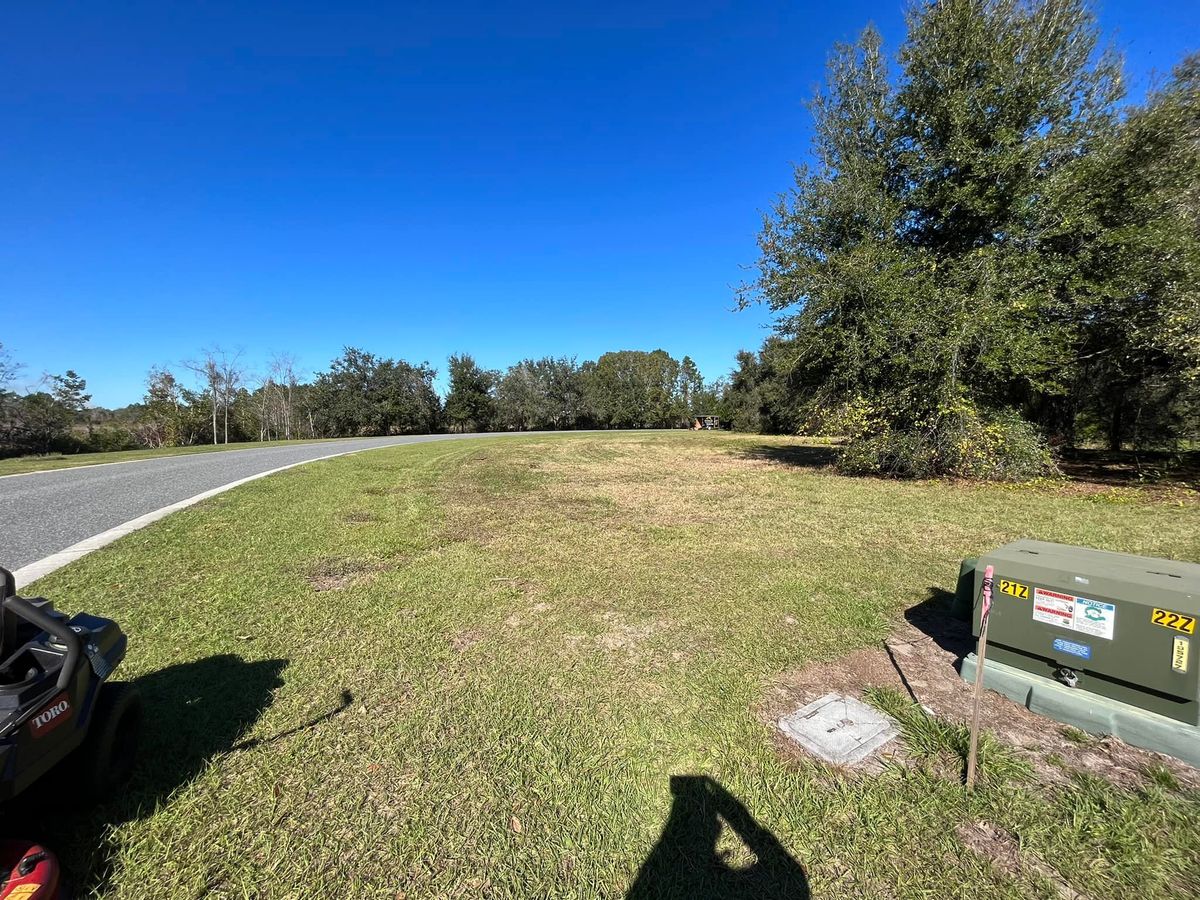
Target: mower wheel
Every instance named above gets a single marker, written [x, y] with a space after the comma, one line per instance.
[107, 755]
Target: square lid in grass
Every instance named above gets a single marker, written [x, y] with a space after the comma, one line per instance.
[839, 729]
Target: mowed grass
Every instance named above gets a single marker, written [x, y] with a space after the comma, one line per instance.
[19, 465]
[503, 667]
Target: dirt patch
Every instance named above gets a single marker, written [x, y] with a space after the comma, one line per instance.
[920, 659]
[1001, 849]
[625, 636]
[338, 573]
[358, 517]
[465, 640]
[525, 587]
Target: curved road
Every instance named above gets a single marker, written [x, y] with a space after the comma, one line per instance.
[49, 518]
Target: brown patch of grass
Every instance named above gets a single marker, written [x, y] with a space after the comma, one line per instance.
[1002, 850]
[339, 573]
[654, 485]
[466, 639]
[625, 636]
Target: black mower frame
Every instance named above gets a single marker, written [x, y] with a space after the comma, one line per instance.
[56, 702]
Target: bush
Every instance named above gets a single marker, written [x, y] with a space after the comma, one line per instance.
[108, 438]
[959, 440]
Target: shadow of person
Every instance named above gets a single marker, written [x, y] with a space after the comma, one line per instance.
[687, 862]
[193, 713]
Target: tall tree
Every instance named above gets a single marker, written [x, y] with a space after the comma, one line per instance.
[1140, 287]
[471, 404]
[230, 374]
[362, 394]
[208, 369]
[171, 416]
[924, 267]
[8, 402]
[520, 399]
[634, 389]
[42, 422]
[690, 390]
[70, 392]
[283, 376]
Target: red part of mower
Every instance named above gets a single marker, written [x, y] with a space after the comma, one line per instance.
[27, 872]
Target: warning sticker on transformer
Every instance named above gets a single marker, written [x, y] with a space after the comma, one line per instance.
[1094, 617]
[1053, 608]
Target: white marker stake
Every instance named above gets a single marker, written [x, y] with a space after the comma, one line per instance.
[982, 652]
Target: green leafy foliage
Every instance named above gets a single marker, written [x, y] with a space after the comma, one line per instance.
[984, 232]
[362, 394]
[959, 440]
[470, 405]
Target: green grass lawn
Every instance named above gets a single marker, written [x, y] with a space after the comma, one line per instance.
[20, 464]
[508, 667]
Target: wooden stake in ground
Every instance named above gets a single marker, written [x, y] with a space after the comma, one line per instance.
[980, 654]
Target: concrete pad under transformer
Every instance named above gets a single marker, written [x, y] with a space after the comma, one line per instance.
[1089, 712]
[838, 729]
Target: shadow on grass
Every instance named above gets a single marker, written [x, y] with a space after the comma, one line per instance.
[801, 457]
[933, 617]
[194, 713]
[1120, 468]
[686, 862]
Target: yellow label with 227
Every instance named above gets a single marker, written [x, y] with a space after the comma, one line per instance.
[1014, 588]
[1178, 621]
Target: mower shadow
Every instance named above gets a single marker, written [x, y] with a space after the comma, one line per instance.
[685, 863]
[193, 713]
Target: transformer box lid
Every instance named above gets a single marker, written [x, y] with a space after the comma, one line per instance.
[1139, 579]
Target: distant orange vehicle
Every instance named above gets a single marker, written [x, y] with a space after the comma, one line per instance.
[706, 423]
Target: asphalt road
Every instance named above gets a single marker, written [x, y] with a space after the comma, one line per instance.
[42, 513]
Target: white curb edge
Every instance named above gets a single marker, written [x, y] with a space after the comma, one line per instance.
[35, 570]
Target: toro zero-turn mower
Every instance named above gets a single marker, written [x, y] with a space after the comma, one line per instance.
[57, 707]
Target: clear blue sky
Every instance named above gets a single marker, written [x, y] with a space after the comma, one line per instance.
[508, 179]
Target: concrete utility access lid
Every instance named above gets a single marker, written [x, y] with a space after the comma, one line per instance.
[839, 729]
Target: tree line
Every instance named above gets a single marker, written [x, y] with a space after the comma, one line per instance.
[992, 255]
[215, 399]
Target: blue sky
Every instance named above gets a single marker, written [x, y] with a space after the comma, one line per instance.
[507, 179]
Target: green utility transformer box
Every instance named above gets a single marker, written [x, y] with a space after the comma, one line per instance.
[1106, 638]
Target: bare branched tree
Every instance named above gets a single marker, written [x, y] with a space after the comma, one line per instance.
[283, 377]
[221, 375]
[232, 375]
[8, 368]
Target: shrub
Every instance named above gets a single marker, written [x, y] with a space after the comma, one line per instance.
[109, 437]
[958, 440]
